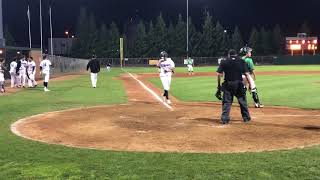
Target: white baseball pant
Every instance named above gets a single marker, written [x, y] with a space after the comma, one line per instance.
[94, 79]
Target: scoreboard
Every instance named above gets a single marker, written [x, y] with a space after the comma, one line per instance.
[302, 44]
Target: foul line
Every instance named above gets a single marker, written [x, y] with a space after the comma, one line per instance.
[150, 91]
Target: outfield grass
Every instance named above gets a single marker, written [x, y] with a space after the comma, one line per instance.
[214, 68]
[300, 91]
[24, 159]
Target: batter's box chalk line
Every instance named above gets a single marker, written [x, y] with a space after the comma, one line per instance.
[150, 91]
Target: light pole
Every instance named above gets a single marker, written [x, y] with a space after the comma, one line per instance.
[41, 36]
[187, 29]
[51, 32]
[2, 41]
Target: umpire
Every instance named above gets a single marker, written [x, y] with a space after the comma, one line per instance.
[233, 68]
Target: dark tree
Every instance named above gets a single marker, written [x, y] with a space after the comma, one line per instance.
[221, 40]
[140, 44]
[254, 41]
[102, 43]
[194, 40]
[237, 41]
[114, 41]
[152, 52]
[278, 40]
[93, 36]
[180, 38]
[305, 28]
[266, 37]
[208, 37]
[80, 45]
[8, 37]
[160, 36]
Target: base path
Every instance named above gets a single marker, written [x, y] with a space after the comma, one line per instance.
[145, 124]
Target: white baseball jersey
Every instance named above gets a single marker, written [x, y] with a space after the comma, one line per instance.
[24, 65]
[166, 66]
[31, 65]
[1, 73]
[13, 67]
[45, 65]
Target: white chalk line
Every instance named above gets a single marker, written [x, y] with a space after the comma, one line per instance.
[151, 92]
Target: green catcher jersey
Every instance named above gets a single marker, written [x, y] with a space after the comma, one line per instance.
[249, 63]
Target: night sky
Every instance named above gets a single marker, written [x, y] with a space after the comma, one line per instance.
[290, 14]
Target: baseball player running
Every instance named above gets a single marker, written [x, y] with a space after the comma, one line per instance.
[166, 68]
[45, 66]
[23, 72]
[2, 80]
[247, 57]
[13, 72]
[31, 72]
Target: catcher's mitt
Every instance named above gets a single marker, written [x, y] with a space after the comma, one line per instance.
[219, 93]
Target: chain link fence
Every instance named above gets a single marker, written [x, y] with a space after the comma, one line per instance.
[179, 61]
[63, 65]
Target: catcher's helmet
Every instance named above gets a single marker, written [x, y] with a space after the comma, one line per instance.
[245, 50]
[164, 54]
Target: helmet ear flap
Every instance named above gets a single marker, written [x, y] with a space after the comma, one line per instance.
[164, 54]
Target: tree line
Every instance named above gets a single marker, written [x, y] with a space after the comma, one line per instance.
[149, 38]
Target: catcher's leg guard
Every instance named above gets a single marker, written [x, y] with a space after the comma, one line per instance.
[256, 98]
[2, 89]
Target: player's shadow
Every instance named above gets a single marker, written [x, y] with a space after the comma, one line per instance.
[312, 128]
[207, 120]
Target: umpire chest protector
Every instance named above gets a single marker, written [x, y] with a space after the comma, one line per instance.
[233, 69]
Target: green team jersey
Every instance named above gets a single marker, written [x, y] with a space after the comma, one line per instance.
[189, 61]
[249, 63]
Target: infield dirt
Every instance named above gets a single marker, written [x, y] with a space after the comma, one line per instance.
[144, 124]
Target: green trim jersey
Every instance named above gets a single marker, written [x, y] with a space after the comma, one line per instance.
[189, 61]
[249, 62]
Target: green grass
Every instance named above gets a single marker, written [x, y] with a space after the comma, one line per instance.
[24, 159]
[291, 91]
[214, 68]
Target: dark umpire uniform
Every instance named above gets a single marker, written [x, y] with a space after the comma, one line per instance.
[233, 68]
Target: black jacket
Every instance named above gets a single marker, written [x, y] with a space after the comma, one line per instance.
[94, 66]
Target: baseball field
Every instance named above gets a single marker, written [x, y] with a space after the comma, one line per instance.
[122, 131]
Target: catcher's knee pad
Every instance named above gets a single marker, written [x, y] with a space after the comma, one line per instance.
[254, 90]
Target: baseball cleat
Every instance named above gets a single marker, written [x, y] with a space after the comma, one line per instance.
[168, 101]
[46, 90]
[257, 105]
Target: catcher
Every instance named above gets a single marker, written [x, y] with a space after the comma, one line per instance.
[246, 53]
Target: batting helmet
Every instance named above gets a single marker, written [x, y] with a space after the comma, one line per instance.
[164, 54]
